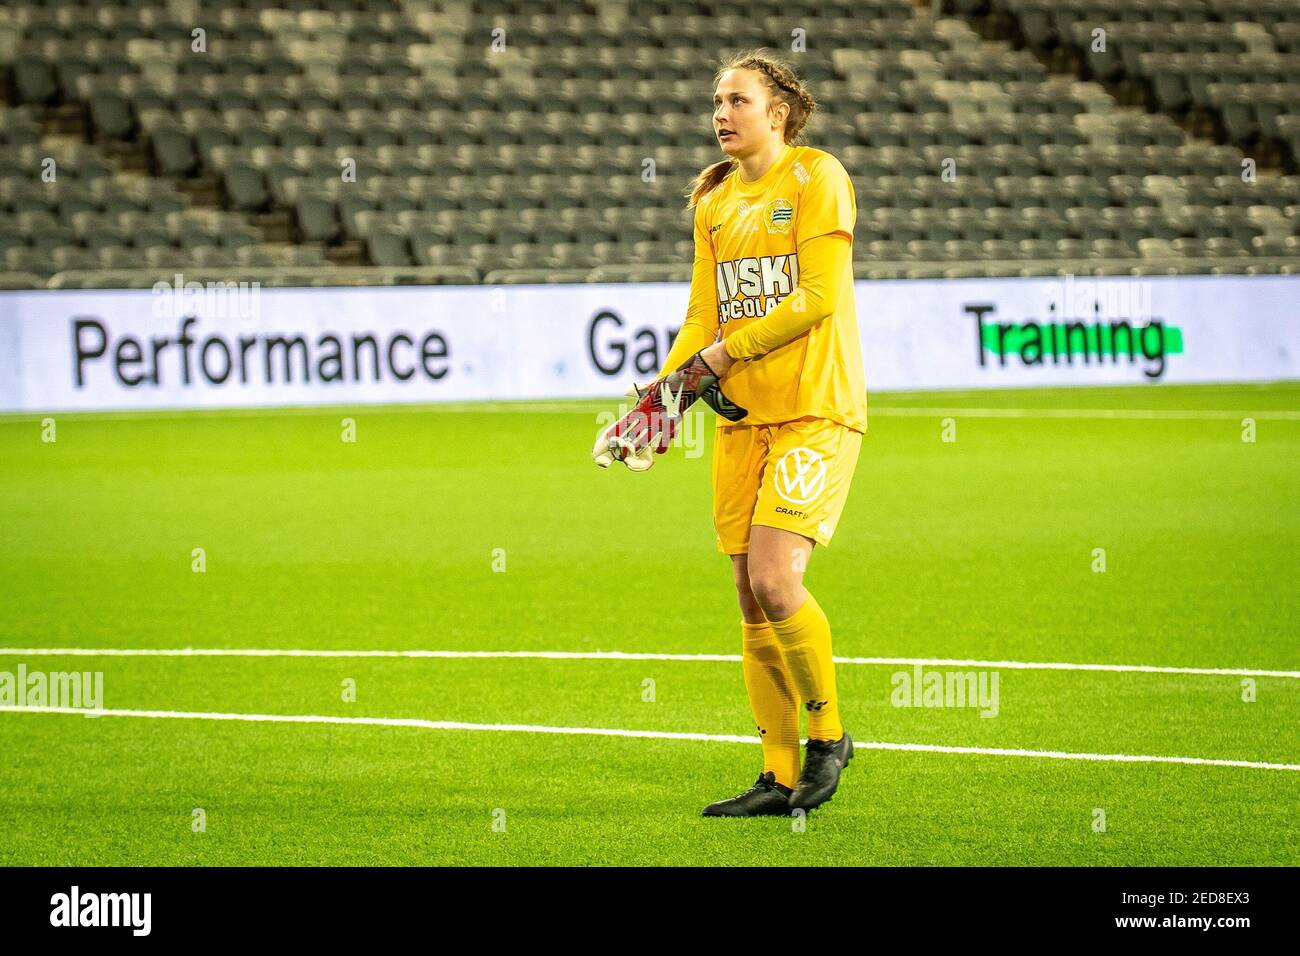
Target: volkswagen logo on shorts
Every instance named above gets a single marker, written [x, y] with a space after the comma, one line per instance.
[800, 475]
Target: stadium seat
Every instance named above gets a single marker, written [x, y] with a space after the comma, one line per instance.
[508, 154]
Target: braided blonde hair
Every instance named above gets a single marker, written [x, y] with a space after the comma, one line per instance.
[783, 86]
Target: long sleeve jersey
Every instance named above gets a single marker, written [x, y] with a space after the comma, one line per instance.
[773, 275]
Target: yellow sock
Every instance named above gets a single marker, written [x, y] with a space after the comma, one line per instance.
[772, 698]
[805, 640]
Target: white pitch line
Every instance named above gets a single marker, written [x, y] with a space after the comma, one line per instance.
[622, 656]
[1066, 666]
[655, 734]
[1085, 413]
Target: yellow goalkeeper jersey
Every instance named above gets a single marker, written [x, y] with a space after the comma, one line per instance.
[749, 238]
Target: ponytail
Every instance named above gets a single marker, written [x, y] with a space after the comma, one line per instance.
[709, 179]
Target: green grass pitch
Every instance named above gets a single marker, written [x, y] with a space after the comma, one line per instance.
[981, 549]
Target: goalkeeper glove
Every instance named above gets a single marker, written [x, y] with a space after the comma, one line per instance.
[652, 424]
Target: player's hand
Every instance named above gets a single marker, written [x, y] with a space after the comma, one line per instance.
[654, 422]
[648, 428]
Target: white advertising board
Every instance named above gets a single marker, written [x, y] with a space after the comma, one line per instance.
[198, 347]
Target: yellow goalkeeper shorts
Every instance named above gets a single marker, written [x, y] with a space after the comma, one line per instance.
[793, 475]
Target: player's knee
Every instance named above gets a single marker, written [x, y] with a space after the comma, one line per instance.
[772, 591]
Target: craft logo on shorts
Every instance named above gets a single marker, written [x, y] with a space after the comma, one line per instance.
[778, 217]
[800, 475]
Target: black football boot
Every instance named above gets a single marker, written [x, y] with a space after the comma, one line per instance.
[824, 760]
[766, 798]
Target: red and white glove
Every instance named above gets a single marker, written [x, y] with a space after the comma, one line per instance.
[647, 429]
[654, 421]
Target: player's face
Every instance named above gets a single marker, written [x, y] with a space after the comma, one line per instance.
[741, 120]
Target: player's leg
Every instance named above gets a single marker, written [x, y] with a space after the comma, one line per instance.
[777, 561]
[801, 497]
[737, 465]
[750, 611]
[772, 695]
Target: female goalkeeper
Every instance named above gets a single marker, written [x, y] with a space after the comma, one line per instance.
[773, 276]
